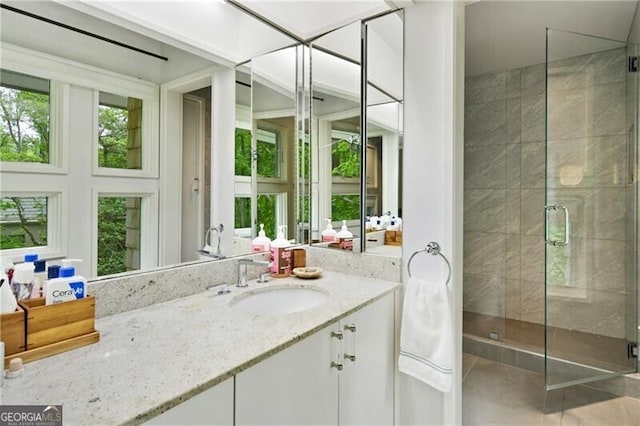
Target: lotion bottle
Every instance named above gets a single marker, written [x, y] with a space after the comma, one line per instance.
[329, 234]
[345, 237]
[261, 242]
[67, 287]
[280, 256]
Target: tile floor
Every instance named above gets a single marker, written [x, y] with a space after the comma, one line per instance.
[498, 394]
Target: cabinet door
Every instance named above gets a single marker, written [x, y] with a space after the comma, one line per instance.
[297, 386]
[367, 383]
[211, 407]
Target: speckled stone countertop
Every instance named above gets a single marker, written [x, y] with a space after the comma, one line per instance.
[151, 359]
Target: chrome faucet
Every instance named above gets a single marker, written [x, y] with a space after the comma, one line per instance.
[242, 271]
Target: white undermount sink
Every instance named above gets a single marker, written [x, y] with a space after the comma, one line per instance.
[279, 300]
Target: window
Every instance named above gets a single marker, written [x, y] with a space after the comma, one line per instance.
[118, 234]
[23, 222]
[268, 213]
[24, 118]
[345, 157]
[32, 221]
[51, 112]
[268, 146]
[345, 207]
[243, 152]
[242, 216]
[119, 131]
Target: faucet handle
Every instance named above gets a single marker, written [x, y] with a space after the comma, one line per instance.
[264, 277]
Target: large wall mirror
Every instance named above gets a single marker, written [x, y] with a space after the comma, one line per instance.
[336, 138]
[300, 147]
[266, 148]
[348, 130]
[383, 115]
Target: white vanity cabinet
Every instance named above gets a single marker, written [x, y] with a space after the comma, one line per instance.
[295, 386]
[211, 407]
[367, 381]
[318, 380]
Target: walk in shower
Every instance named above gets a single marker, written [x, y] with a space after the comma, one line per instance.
[550, 219]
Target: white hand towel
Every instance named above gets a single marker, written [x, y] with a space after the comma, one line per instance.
[426, 335]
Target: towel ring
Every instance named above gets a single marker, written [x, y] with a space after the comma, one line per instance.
[434, 249]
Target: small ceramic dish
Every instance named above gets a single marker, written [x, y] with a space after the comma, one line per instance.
[307, 272]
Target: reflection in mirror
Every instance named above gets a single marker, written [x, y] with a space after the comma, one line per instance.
[196, 176]
[336, 143]
[266, 155]
[384, 71]
[119, 131]
[243, 212]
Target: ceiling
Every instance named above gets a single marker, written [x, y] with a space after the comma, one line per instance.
[32, 33]
[501, 35]
[310, 18]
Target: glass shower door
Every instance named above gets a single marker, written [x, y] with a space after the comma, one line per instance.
[590, 209]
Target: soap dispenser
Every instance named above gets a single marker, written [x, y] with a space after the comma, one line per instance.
[280, 256]
[329, 234]
[345, 237]
[261, 242]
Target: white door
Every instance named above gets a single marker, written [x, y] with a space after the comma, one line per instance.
[192, 177]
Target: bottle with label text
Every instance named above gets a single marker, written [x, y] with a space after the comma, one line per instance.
[345, 237]
[280, 256]
[67, 287]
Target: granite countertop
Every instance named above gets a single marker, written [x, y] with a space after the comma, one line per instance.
[151, 359]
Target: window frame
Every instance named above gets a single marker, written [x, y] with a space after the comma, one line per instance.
[58, 129]
[285, 137]
[150, 128]
[149, 219]
[57, 228]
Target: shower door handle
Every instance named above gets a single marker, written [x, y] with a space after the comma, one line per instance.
[565, 240]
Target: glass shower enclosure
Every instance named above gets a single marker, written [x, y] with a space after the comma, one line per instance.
[590, 215]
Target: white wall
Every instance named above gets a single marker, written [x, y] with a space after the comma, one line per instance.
[222, 154]
[432, 181]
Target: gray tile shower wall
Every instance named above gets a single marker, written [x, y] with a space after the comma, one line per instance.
[504, 191]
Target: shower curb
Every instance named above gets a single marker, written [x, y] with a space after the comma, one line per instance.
[623, 385]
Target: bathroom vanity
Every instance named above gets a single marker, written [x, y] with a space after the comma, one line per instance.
[201, 359]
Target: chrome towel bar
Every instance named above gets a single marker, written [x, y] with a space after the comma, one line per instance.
[434, 249]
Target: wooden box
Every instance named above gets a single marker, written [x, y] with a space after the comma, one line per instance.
[299, 258]
[393, 238]
[52, 329]
[13, 331]
[389, 237]
[47, 324]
